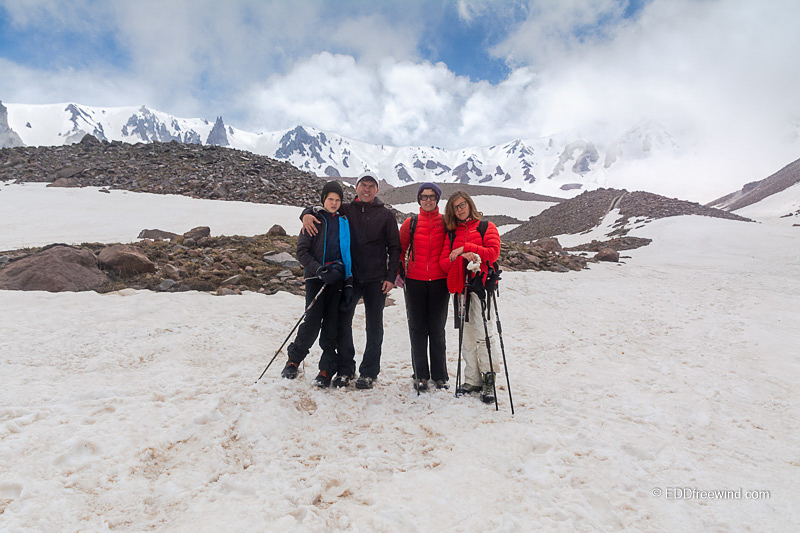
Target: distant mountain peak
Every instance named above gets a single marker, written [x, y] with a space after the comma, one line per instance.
[218, 135]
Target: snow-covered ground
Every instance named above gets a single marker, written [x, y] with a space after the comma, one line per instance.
[36, 215]
[636, 386]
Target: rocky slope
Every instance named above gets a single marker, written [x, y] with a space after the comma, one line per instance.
[194, 170]
[586, 211]
[758, 190]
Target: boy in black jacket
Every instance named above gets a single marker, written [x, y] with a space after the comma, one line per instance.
[376, 258]
[326, 262]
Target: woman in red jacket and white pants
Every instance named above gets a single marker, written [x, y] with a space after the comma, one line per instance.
[469, 246]
[426, 288]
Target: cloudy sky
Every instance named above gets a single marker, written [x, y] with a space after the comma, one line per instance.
[721, 75]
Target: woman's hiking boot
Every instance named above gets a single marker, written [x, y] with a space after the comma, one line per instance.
[364, 382]
[487, 393]
[342, 380]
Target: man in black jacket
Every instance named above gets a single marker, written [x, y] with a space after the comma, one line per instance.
[375, 249]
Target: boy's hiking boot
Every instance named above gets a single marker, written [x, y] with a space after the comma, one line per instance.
[342, 380]
[323, 379]
[290, 370]
[364, 382]
[487, 393]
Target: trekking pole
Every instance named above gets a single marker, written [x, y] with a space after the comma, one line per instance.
[461, 312]
[290, 333]
[489, 351]
[411, 339]
[503, 350]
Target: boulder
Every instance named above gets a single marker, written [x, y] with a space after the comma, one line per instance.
[276, 231]
[171, 271]
[607, 254]
[197, 233]
[157, 235]
[125, 260]
[283, 258]
[57, 268]
[549, 244]
[166, 285]
[225, 291]
[64, 182]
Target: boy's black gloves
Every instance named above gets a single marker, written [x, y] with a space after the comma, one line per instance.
[347, 295]
[330, 273]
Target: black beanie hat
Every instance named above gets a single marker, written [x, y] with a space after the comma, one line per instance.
[431, 186]
[332, 186]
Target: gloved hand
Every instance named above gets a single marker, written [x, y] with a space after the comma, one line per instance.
[330, 273]
[475, 284]
[346, 300]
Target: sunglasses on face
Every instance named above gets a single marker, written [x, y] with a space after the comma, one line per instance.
[427, 197]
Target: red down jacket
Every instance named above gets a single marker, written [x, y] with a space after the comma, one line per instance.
[429, 238]
[468, 236]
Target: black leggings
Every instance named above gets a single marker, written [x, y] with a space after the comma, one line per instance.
[426, 306]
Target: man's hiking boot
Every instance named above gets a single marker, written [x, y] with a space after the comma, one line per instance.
[342, 380]
[364, 382]
[323, 379]
[290, 370]
[487, 393]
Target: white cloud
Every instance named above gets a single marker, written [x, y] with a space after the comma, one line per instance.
[24, 85]
[720, 75]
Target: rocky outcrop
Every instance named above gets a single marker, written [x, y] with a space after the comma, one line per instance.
[586, 211]
[218, 136]
[545, 254]
[57, 268]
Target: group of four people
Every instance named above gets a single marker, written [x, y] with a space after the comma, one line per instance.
[351, 251]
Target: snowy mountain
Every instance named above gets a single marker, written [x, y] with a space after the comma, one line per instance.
[562, 164]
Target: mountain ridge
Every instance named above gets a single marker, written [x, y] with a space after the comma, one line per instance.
[563, 164]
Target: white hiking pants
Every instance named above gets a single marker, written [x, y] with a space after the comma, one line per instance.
[473, 347]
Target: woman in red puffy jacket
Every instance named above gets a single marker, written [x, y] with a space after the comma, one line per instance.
[470, 247]
[426, 288]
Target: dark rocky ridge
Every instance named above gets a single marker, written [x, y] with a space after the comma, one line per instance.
[408, 193]
[209, 172]
[586, 211]
[758, 190]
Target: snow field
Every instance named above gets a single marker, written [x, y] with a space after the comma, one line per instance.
[678, 369]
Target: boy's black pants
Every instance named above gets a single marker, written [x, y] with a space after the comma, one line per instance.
[322, 319]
